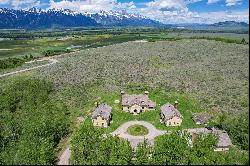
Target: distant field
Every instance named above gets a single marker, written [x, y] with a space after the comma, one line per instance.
[215, 72]
[49, 42]
[56, 45]
[224, 35]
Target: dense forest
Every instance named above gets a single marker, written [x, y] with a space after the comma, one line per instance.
[31, 124]
[91, 147]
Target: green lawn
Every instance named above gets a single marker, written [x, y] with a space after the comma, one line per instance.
[187, 105]
[137, 130]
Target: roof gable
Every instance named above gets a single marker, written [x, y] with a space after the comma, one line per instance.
[102, 110]
[141, 100]
[169, 111]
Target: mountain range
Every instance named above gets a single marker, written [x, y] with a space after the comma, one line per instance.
[38, 18]
[216, 26]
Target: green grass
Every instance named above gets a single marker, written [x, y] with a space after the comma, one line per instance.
[57, 45]
[137, 130]
[187, 105]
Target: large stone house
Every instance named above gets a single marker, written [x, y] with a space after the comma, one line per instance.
[170, 116]
[101, 117]
[136, 104]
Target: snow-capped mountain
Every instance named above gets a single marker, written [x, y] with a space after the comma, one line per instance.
[122, 18]
[38, 18]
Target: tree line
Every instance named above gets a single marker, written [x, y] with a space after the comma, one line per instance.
[90, 147]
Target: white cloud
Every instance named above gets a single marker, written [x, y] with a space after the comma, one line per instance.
[25, 4]
[191, 1]
[21, 4]
[233, 2]
[176, 11]
[212, 1]
[228, 2]
[91, 5]
[212, 17]
[195, 17]
[167, 5]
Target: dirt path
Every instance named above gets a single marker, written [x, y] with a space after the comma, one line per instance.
[64, 158]
[52, 61]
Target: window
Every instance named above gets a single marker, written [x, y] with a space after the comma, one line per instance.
[169, 123]
[174, 123]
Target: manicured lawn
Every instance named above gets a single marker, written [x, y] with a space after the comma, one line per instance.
[137, 130]
[187, 105]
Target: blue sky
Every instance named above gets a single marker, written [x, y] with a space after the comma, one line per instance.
[167, 11]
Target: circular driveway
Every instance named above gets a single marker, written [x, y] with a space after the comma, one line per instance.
[135, 140]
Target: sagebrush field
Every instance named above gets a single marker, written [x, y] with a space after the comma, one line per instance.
[216, 73]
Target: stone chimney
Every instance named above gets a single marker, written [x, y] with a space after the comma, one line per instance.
[176, 104]
[122, 93]
[98, 101]
[146, 92]
[96, 104]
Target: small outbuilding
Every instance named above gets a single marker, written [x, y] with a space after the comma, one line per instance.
[101, 117]
[224, 141]
[201, 118]
[170, 116]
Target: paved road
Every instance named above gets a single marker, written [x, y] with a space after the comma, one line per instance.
[135, 140]
[52, 61]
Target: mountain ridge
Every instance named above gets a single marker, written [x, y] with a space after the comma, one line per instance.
[39, 18]
[35, 18]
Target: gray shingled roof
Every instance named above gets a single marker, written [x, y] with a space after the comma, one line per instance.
[223, 139]
[169, 111]
[102, 110]
[142, 100]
